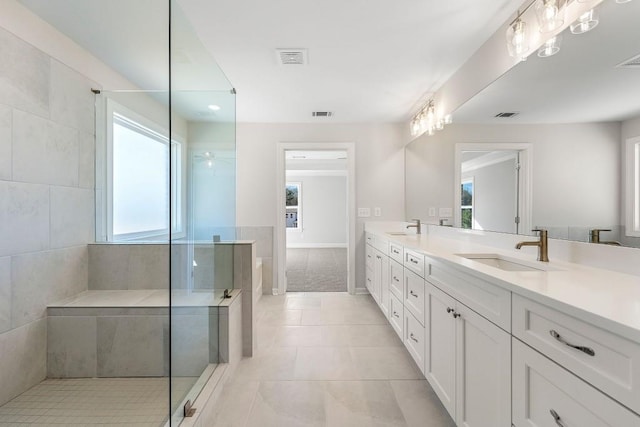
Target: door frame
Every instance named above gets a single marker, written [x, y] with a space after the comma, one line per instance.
[525, 188]
[281, 230]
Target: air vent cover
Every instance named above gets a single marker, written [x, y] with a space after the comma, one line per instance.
[507, 115]
[292, 56]
[322, 114]
[630, 63]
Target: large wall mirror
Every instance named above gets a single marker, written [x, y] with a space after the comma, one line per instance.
[566, 160]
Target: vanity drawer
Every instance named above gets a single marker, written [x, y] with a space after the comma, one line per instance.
[414, 295]
[607, 361]
[395, 252]
[396, 315]
[414, 338]
[485, 298]
[369, 254]
[414, 261]
[396, 279]
[381, 244]
[545, 395]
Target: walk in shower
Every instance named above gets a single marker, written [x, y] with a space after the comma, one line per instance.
[146, 122]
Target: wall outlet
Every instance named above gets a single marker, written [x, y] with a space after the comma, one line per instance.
[377, 212]
[364, 212]
[432, 211]
[445, 212]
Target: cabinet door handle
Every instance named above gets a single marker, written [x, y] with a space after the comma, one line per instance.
[413, 294]
[413, 338]
[449, 309]
[556, 418]
[456, 315]
[378, 256]
[581, 348]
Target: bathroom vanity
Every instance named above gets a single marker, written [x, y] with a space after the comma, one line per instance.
[506, 340]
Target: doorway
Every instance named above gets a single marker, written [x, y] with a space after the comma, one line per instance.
[315, 231]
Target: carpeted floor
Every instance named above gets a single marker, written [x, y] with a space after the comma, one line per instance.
[317, 270]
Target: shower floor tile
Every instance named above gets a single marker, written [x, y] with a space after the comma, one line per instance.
[93, 401]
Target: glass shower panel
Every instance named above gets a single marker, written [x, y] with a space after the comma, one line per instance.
[203, 168]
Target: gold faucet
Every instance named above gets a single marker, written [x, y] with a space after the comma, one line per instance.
[542, 244]
[416, 225]
[595, 237]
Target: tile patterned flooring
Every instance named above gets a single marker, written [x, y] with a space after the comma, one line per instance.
[327, 359]
[135, 402]
[317, 270]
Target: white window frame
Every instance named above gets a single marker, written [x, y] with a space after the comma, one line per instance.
[298, 207]
[632, 185]
[177, 178]
[473, 201]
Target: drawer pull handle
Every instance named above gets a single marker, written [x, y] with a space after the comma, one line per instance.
[413, 294]
[396, 279]
[581, 348]
[415, 261]
[413, 338]
[396, 315]
[378, 256]
[394, 251]
[556, 418]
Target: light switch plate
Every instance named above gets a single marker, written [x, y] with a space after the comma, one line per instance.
[432, 211]
[377, 212]
[445, 212]
[364, 212]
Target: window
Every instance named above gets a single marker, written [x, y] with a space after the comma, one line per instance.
[138, 178]
[632, 223]
[293, 206]
[466, 204]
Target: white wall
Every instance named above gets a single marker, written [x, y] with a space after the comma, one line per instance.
[576, 170]
[379, 171]
[324, 212]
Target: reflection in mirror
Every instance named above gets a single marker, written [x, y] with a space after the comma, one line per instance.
[577, 109]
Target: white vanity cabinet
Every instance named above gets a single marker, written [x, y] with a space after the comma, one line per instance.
[467, 362]
[546, 395]
[377, 274]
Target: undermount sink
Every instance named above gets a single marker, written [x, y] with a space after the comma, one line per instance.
[504, 263]
[397, 233]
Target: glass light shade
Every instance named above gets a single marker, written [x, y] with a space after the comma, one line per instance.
[517, 40]
[550, 47]
[415, 127]
[550, 14]
[586, 22]
[448, 119]
[622, 1]
[439, 124]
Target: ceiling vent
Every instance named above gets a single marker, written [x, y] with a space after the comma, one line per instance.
[507, 115]
[292, 56]
[322, 114]
[630, 63]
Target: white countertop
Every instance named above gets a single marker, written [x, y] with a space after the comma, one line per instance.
[605, 298]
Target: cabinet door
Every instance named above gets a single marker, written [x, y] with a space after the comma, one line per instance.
[483, 367]
[377, 271]
[440, 350]
[546, 395]
[383, 274]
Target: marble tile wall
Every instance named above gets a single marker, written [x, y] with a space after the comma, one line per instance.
[129, 266]
[47, 145]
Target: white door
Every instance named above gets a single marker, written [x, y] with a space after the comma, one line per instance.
[440, 357]
[483, 371]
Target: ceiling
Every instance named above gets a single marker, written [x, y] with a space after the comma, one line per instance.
[368, 60]
[581, 83]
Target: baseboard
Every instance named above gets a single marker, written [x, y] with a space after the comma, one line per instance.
[361, 291]
[316, 245]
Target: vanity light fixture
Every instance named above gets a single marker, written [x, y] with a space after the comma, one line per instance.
[427, 121]
[622, 1]
[550, 47]
[550, 14]
[517, 39]
[586, 22]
